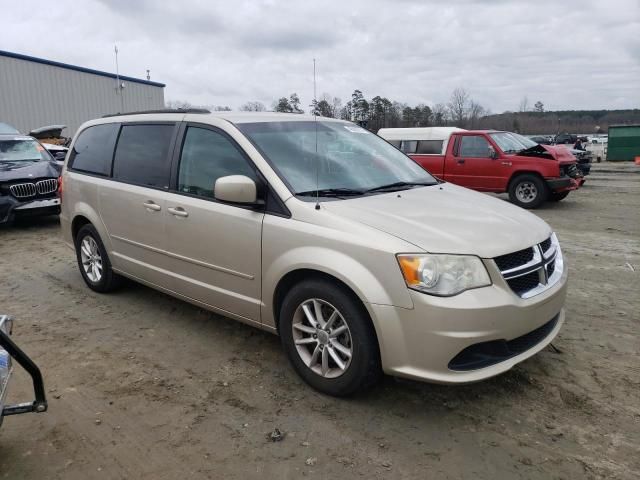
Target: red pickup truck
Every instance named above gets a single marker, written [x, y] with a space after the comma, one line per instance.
[491, 161]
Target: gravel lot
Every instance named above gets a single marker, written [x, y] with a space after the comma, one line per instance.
[143, 386]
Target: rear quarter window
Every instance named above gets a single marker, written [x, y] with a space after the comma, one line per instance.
[93, 149]
[142, 154]
[430, 147]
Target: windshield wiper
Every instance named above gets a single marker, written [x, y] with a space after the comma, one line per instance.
[398, 186]
[331, 192]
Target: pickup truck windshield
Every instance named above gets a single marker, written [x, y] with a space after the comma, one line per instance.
[22, 149]
[511, 142]
[350, 160]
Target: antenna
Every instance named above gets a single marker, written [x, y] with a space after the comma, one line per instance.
[118, 84]
[315, 120]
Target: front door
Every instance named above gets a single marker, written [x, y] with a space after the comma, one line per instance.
[471, 164]
[215, 247]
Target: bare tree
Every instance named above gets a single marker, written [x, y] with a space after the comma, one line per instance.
[475, 112]
[439, 114]
[524, 104]
[177, 104]
[253, 107]
[459, 106]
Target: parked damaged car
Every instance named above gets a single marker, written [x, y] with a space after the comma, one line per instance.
[28, 179]
[10, 352]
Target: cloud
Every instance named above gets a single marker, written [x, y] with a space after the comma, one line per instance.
[572, 55]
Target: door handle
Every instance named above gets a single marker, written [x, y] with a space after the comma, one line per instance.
[178, 211]
[150, 205]
[460, 161]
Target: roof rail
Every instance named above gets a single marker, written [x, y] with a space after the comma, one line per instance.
[162, 110]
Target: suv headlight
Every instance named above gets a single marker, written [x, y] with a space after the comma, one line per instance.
[443, 275]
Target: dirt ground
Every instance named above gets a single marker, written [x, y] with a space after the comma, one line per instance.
[143, 386]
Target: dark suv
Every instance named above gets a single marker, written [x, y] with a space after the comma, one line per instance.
[28, 178]
[565, 138]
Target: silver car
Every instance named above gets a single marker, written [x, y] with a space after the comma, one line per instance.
[319, 231]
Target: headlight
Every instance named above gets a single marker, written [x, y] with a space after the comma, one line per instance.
[443, 275]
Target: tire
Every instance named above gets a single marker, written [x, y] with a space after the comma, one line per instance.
[359, 371]
[97, 274]
[528, 191]
[556, 197]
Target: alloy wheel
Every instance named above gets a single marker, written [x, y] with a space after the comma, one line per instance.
[322, 338]
[91, 259]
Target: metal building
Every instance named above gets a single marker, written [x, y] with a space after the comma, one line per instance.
[35, 92]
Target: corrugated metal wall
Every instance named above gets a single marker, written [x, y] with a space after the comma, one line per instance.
[33, 95]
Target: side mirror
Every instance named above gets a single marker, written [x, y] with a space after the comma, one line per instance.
[492, 153]
[235, 189]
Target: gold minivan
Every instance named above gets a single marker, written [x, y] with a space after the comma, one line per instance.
[319, 231]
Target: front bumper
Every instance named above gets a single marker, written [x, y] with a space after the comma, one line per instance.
[420, 343]
[564, 184]
[11, 208]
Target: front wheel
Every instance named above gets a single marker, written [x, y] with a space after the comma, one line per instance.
[329, 339]
[556, 197]
[528, 191]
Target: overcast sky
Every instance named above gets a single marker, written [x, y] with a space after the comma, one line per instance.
[572, 54]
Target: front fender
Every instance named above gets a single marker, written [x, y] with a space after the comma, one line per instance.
[364, 283]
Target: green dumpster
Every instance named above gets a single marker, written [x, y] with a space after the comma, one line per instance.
[624, 143]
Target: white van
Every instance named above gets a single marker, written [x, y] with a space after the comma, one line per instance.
[420, 141]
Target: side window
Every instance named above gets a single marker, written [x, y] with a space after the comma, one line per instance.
[430, 147]
[142, 155]
[206, 156]
[395, 143]
[409, 146]
[474, 146]
[93, 149]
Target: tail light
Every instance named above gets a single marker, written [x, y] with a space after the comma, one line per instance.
[60, 188]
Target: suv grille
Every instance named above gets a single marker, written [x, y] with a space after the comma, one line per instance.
[26, 190]
[533, 270]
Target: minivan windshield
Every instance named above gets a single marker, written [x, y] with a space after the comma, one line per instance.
[350, 160]
[22, 149]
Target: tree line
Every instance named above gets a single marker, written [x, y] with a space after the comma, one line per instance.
[460, 111]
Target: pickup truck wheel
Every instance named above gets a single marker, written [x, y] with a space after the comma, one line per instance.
[556, 197]
[93, 261]
[528, 191]
[328, 338]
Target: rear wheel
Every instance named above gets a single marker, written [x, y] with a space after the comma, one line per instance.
[328, 338]
[556, 197]
[528, 191]
[93, 261]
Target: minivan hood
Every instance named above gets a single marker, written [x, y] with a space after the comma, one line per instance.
[446, 218]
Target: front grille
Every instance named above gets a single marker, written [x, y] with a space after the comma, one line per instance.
[532, 270]
[524, 283]
[546, 245]
[572, 170]
[26, 190]
[49, 185]
[515, 259]
[551, 267]
[23, 190]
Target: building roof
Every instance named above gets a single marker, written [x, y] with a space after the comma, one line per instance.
[43, 61]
